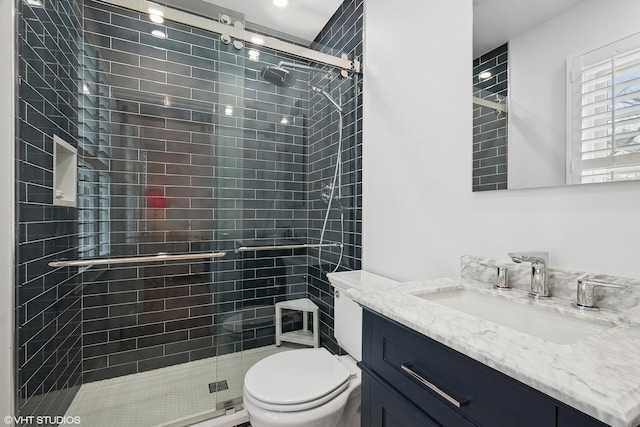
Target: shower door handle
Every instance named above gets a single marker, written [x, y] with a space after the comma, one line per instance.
[159, 257]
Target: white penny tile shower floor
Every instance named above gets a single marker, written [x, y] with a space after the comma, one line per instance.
[173, 396]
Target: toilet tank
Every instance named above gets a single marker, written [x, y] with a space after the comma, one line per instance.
[347, 313]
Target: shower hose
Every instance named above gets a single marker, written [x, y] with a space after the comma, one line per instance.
[336, 183]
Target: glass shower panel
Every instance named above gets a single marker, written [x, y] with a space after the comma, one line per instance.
[272, 200]
[153, 116]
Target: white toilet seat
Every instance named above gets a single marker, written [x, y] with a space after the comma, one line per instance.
[296, 380]
[298, 407]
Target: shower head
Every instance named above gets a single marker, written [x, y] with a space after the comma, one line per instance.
[278, 76]
[281, 76]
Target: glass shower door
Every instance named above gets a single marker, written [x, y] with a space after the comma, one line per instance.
[152, 119]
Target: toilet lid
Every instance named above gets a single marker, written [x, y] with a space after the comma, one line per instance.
[296, 376]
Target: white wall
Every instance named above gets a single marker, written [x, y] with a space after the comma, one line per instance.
[537, 84]
[417, 134]
[6, 207]
[420, 215]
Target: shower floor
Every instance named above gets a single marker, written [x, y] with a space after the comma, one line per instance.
[173, 396]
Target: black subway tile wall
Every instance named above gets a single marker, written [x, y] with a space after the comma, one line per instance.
[489, 126]
[342, 34]
[48, 303]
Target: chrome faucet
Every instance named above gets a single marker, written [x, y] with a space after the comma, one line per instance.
[501, 280]
[585, 298]
[539, 274]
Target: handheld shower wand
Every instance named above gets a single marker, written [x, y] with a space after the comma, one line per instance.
[326, 95]
[282, 77]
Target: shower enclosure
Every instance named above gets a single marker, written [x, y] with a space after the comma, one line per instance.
[210, 192]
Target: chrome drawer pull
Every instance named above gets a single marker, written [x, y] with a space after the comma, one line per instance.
[455, 402]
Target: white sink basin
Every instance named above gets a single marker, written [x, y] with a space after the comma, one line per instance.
[530, 319]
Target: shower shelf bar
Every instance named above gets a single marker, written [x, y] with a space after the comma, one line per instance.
[160, 257]
[267, 248]
[490, 104]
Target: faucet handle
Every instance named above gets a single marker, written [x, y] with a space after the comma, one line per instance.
[584, 294]
[502, 276]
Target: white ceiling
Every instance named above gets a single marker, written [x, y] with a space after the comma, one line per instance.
[497, 21]
[494, 21]
[302, 19]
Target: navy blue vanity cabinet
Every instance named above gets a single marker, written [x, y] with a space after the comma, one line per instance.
[411, 380]
[569, 417]
[387, 408]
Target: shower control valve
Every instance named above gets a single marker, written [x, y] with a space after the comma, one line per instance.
[326, 193]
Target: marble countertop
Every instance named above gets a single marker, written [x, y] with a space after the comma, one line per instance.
[599, 375]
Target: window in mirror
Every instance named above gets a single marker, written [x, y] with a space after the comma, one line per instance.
[605, 121]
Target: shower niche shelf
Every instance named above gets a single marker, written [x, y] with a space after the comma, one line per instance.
[65, 173]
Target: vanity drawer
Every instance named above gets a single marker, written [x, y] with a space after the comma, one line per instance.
[387, 408]
[435, 377]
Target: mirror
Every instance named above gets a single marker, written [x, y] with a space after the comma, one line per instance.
[534, 60]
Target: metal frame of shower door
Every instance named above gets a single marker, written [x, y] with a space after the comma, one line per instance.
[208, 24]
[8, 288]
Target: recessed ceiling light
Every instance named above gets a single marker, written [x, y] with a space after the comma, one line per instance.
[156, 18]
[485, 75]
[228, 110]
[257, 40]
[159, 34]
[254, 55]
[156, 15]
[281, 3]
[85, 89]
[284, 121]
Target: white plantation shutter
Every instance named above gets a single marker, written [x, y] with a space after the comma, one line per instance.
[605, 113]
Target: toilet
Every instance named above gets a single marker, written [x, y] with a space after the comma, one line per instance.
[311, 387]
